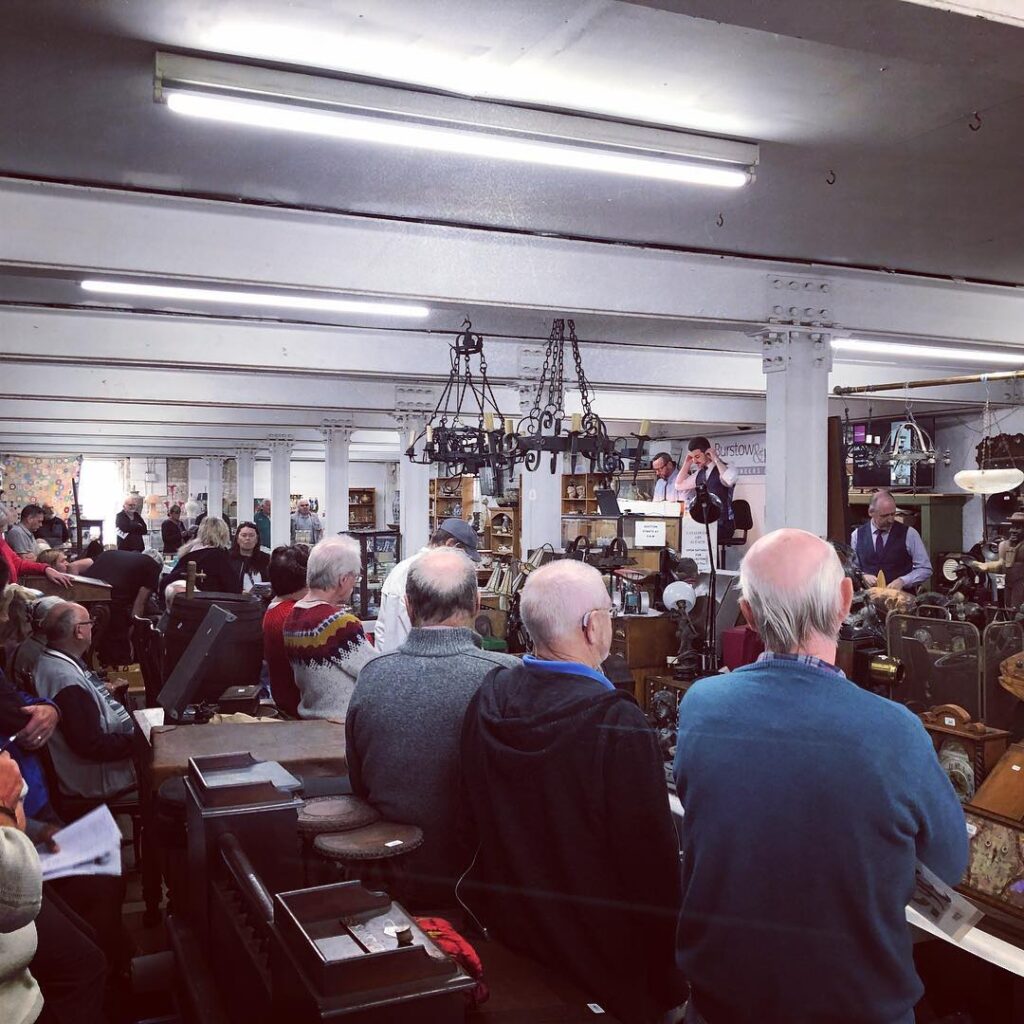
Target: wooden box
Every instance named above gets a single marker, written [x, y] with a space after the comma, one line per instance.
[968, 751]
[1002, 793]
[644, 641]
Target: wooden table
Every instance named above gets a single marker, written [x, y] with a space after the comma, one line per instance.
[310, 747]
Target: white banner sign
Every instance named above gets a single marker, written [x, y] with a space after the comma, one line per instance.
[694, 543]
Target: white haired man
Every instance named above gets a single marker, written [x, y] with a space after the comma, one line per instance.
[130, 527]
[306, 524]
[808, 803]
[324, 641]
[404, 720]
[576, 859]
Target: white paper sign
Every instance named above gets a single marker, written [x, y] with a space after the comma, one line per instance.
[649, 534]
[694, 543]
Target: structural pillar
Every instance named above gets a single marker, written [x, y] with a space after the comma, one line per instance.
[413, 488]
[337, 434]
[796, 364]
[215, 486]
[245, 467]
[280, 489]
[540, 495]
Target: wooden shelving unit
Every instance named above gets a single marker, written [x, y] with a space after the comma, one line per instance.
[362, 508]
[502, 531]
[450, 497]
[582, 484]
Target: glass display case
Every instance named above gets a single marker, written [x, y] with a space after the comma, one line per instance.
[379, 551]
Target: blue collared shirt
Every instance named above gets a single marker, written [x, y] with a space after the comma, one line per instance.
[803, 659]
[568, 668]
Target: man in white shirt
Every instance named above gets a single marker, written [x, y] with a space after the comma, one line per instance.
[703, 467]
[393, 625]
[664, 467]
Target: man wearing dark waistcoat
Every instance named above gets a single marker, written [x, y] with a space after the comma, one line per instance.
[883, 545]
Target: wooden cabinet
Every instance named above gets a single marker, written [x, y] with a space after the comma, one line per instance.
[362, 508]
[644, 641]
[451, 497]
[501, 533]
[578, 496]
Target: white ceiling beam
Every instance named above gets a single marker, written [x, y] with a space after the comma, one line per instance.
[110, 232]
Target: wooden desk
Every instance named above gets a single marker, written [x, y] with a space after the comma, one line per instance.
[312, 747]
[645, 641]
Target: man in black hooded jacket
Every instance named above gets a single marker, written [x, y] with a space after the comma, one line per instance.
[575, 859]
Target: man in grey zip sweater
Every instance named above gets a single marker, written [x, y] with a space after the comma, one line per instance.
[405, 716]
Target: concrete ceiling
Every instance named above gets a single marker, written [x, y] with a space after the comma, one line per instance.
[891, 164]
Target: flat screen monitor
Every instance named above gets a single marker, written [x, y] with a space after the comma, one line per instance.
[608, 502]
[185, 680]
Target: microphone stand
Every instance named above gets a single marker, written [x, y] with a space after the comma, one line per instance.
[708, 510]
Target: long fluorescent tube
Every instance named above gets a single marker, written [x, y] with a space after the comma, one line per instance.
[388, 116]
[951, 355]
[263, 300]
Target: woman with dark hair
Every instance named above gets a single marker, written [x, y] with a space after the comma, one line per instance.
[288, 582]
[172, 531]
[246, 557]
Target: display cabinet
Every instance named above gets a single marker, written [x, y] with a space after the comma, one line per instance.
[379, 551]
[602, 530]
[362, 508]
[501, 533]
[578, 492]
[451, 497]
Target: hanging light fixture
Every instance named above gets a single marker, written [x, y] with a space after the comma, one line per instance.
[863, 454]
[464, 432]
[542, 429]
[988, 481]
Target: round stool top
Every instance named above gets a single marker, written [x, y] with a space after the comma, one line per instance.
[373, 842]
[335, 814]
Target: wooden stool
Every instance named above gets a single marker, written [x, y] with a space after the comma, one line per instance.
[330, 814]
[374, 851]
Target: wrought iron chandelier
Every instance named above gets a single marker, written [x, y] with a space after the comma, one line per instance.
[542, 429]
[464, 433]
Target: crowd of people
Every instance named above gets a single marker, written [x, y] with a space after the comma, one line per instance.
[539, 786]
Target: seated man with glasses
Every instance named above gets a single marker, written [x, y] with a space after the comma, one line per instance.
[571, 855]
[323, 639]
[92, 747]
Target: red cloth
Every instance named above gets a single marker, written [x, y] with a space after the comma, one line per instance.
[282, 680]
[741, 645]
[449, 941]
[16, 564]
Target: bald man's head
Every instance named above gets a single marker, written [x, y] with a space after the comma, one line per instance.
[556, 598]
[794, 590]
[441, 589]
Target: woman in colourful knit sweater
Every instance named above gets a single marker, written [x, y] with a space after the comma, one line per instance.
[324, 641]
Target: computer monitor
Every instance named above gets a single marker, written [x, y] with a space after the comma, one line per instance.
[608, 502]
[184, 682]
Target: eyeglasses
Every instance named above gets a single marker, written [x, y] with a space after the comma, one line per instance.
[594, 611]
[86, 622]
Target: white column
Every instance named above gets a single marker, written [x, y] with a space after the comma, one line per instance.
[245, 468]
[540, 495]
[215, 486]
[796, 365]
[337, 434]
[280, 490]
[414, 489]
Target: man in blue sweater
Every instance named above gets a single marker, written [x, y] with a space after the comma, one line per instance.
[807, 802]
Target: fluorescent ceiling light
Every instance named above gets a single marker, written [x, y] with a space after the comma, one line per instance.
[388, 116]
[262, 300]
[951, 355]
